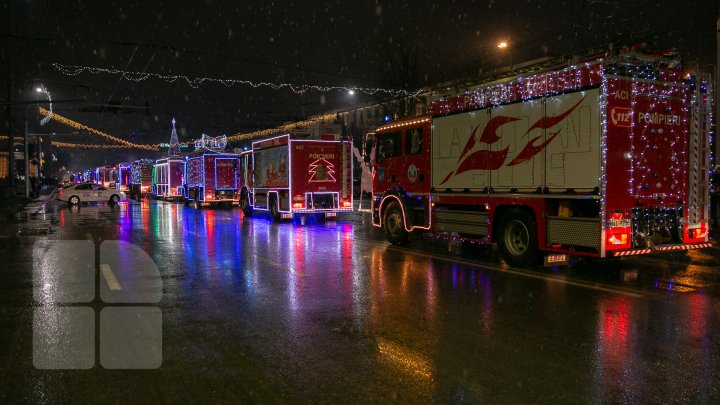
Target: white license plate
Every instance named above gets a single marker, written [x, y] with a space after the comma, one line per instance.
[330, 214]
[554, 259]
[286, 216]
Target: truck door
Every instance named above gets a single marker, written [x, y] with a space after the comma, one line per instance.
[388, 161]
[415, 177]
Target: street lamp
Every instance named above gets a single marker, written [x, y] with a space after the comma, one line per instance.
[506, 45]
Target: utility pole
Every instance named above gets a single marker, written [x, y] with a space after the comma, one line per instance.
[10, 80]
[716, 153]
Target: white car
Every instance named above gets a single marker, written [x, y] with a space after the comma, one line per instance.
[88, 192]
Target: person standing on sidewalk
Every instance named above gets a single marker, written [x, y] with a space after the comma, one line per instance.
[34, 169]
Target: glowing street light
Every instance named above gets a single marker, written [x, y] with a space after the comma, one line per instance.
[351, 92]
[502, 45]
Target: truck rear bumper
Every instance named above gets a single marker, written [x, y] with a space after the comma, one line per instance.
[661, 248]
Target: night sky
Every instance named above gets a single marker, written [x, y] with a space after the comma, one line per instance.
[387, 44]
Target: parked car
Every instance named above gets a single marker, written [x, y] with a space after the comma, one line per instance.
[89, 192]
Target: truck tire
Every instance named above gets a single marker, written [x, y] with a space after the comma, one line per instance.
[517, 238]
[274, 210]
[245, 206]
[74, 200]
[394, 224]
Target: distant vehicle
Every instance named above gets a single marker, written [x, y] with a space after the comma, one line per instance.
[141, 178]
[105, 175]
[89, 192]
[292, 176]
[212, 179]
[168, 178]
[122, 176]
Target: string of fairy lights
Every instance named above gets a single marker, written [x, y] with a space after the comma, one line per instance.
[196, 82]
[123, 144]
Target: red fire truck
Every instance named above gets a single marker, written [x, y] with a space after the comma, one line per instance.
[141, 178]
[299, 176]
[168, 178]
[212, 178]
[122, 173]
[105, 175]
[608, 157]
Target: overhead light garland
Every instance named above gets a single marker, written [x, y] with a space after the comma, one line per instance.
[196, 82]
[88, 146]
[283, 128]
[59, 118]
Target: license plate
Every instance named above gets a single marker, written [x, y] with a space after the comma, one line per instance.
[553, 259]
[286, 216]
[330, 214]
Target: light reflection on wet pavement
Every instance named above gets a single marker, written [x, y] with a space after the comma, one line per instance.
[327, 312]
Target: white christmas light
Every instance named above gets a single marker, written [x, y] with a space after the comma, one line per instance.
[196, 82]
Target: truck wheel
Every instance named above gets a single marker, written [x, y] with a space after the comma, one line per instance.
[74, 200]
[394, 224]
[245, 206]
[517, 241]
[114, 199]
[274, 211]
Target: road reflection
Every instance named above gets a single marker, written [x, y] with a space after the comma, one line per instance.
[326, 293]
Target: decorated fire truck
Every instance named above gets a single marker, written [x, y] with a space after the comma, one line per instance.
[608, 157]
[122, 176]
[141, 178]
[211, 176]
[168, 178]
[105, 176]
[295, 175]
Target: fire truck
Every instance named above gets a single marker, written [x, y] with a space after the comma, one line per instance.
[141, 178]
[168, 179]
[122, 173]
[211, 179]
[292, 175]
[605, 158]
[105, 176]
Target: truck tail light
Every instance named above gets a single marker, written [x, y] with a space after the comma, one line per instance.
[60, 192]
[298, 205]
[209, 196]
[618, 239]
[298, 198]
[347, 204]
[697, 233]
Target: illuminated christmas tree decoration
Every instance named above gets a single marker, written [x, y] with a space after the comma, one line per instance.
[321, 170]
[174, 149]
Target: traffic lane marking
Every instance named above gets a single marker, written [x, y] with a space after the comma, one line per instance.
[112, 282]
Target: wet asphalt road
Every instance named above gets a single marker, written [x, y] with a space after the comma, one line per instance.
[328, 312]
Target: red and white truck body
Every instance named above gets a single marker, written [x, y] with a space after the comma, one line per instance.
[605, 158]
[141, 178]
[122, 173]
[212, 178]
[105, 176]
[300, 176]
[168, 178]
